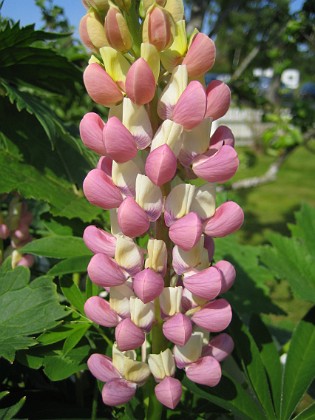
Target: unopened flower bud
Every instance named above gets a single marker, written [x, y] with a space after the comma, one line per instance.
[117, 31]
[157, 28]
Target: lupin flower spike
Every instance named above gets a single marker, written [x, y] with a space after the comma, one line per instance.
[165, 296]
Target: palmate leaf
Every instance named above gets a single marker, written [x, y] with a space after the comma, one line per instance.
[249, 293]
[27, 308]
[250, 358]
[293, 258]
[9, 413]
[299, 369]
[38, 66]
[30, 183]
[57, 247]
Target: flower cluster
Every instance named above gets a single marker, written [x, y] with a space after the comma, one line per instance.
[14, 229]
[164, 299]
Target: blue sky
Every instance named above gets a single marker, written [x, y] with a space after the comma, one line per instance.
[27, 12]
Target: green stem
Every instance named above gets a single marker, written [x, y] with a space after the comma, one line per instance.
[94, 402]
[154, 407]
[132, 18]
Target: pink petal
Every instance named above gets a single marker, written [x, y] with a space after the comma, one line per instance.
[84, 35]
[148, 285]
[140, 82]
[100, 86]
[216, 165]
[102, 368]
[209, 246]
[105, 272]
[169, 392]
[119, 142]
[190, 109]
[186, 231]
[205, 284]
[118, 392]
[159, 28]
[220, 347]
[214, 317]
[128, 336]
[98, 310]
[200, 56]
[99, 241]
[91, 129]
[228, 275]
[161, 165]
[207, 371]
[178, 329]
[228, 218]
[100, 190]
[222, 135]
[105, 164]
[132, 219]
[218, 99]
[27, 260]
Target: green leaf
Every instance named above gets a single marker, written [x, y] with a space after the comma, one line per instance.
[30, 183]
[229, 395]
[249, 293]
[248, 353]
[288, 259]
[57, 334]
[57, 247]
[307, 414]
[73, 294]
[59, 366]
[22, 59]
[299, 369]
[91, 289]
[293, 258]
[10, 412]
[304, 229]
[70, 265]
[27, 308]
[269, 357]
[74, 338]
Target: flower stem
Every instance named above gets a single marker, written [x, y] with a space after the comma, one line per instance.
[154, 407]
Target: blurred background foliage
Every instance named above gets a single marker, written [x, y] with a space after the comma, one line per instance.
[42, 100]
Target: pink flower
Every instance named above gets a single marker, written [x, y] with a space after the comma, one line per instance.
[218, 99]
[169, 392]
[200, 56]
[100, 86]
[140, 82]
[228, 218]
[91, 129]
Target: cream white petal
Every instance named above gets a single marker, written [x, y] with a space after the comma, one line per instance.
[184, 261]
[162, 364]
[142, 314]
[124, 175]
[195, 142]
[128, 255]
[191, 351]
[152, 57]
[169, 133]
[204, 201]
[119, 299]
[178, 202]
[170, 300]
[114, 226]
[128, 367]
[149, 197]
[136, 119]
[172, 91]
[157, 255]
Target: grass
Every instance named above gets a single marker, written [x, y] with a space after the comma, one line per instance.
[271, 207]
